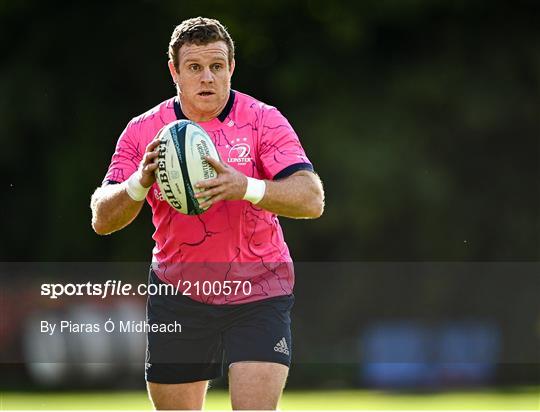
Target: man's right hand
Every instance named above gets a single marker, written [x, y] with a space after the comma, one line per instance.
[112, 207]
[149, 163]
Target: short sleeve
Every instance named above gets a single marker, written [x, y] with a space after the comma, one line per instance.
[280, 151]
[126, 157]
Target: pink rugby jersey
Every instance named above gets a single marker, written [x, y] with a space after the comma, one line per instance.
[233, 241]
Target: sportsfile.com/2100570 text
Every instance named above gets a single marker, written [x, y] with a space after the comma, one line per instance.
[119, 288]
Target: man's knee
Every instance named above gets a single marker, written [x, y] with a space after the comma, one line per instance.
[177, 396]
[256, 385]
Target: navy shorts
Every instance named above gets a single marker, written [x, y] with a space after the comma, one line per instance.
[214, 335]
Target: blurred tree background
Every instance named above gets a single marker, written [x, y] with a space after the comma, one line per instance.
[422, 118]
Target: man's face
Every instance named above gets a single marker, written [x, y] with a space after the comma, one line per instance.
[203, 78]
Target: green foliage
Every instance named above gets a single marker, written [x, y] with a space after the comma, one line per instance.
[421, 118]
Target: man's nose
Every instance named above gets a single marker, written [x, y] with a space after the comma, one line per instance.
[207, 75]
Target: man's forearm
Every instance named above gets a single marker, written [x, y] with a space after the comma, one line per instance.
[113, 209]
[298, 196]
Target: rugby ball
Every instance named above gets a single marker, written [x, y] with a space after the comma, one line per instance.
[181, 164]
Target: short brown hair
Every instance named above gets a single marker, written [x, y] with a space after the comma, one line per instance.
[200, 31]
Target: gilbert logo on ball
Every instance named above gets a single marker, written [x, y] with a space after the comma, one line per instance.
[181, 164]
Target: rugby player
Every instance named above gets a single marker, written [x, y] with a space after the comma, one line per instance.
[264, 172]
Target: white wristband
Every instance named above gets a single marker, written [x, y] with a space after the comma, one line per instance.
[255, 190]
[134, 188]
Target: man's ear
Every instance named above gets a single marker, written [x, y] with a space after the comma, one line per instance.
[172, 70]
[231, 66]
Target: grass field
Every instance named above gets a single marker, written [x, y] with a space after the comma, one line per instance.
[517, 399]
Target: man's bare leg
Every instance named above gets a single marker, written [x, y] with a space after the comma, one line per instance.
[256, 385]
[178, 396]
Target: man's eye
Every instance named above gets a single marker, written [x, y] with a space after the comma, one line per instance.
[194, 67]
[216, 66]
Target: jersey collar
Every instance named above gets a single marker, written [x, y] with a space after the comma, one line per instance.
[222, 116]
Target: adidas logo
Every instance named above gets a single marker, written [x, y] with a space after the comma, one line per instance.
[281, 347]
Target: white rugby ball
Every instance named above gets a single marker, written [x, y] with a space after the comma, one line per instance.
[181, 164]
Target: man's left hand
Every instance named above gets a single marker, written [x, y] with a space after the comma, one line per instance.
[229, 184]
